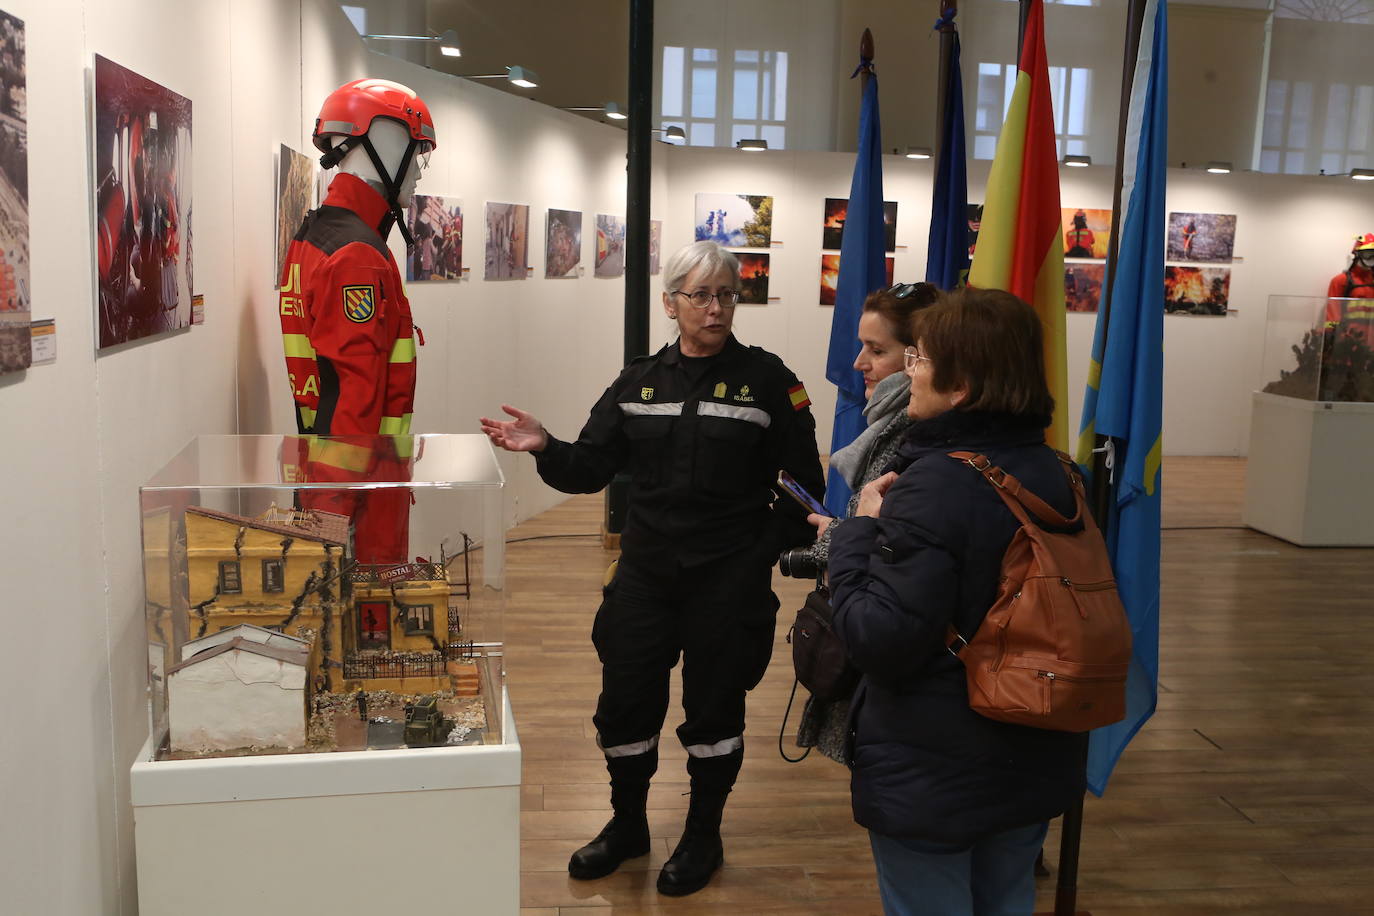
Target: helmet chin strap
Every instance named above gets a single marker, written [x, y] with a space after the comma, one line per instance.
[392, 184]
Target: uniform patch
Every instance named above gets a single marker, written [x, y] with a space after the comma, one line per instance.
[359, 303]
[646, 394]
[719, 391]
[797, 394]
[744, 396]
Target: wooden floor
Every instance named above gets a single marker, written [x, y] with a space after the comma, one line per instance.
[1250, 791]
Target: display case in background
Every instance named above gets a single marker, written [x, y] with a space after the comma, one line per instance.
[325, 659]
[1312, 424]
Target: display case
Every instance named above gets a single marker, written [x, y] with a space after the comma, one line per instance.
[1312, 424]
[1319, 349]
[306, 594]
[325, 662]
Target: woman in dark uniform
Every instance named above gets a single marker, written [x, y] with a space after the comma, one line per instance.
[703, 427]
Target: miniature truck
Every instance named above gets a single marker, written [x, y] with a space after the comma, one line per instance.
[425, 725]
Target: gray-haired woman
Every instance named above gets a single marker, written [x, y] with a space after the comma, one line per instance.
[703, 427]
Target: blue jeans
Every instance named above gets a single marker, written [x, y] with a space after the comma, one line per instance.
[994, 877]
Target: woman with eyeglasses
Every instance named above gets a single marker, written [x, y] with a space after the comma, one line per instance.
[884, 331]
[703, 427]
[956, 804]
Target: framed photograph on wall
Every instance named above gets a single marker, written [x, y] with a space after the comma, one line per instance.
[655, 246]
[508, 232]
[1083, 286]
[1197, 290]
[563, 244]
[610, 246]
[837, 210]
[754, 268]
[1086, 232]
[1205, 237]
[734, 220]
[16, 345]
[142, 181]
[436, 225]
[830, 276]
[295, 191]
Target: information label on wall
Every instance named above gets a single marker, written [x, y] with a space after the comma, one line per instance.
[43, 334]
[198, 308]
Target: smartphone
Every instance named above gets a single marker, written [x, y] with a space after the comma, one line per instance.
[796, 491]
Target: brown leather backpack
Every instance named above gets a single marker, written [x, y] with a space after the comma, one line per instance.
[1054, 649]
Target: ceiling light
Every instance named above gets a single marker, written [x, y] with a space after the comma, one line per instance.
[523, 77]
[613, 112]
[448, 41]
[1362, 174]
[752, 145]
[1078, 162]
[1219, 168]
[674, 133]
[918, 152]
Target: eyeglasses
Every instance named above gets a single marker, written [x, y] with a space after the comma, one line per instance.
[702, 299]
[910, 358]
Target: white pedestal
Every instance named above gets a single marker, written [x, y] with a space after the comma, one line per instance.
[423, 830]
[1307, 477]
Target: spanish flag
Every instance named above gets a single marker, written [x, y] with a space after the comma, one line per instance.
[1019, 249]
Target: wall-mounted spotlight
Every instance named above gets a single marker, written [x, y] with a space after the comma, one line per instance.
[611, 110]
[1078, 162]
[752, 145]
[523, 77]
[1362, 174]
[673, 133]
[918, 152]
[1219, 168]
[447, 41]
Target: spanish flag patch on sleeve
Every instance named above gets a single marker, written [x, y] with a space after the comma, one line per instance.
[798, 395]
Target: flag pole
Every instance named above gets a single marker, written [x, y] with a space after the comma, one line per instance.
[865, 53]
[1071, 827]
[948, 10]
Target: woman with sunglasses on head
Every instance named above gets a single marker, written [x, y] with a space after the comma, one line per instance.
[884, 332]
[703, 427]
[956, 804]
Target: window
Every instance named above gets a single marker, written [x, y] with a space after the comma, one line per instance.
[356, 15]
[374, 625]
[420, 620]
[1316, 128]
[273, 576]
[1070, 96]
[722, 97]
[229, 581]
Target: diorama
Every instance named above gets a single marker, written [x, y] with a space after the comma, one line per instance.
[142, 159]
[15, 344]
[1313, 356]
[267, 634]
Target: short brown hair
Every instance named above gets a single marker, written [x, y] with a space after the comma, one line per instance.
[898, 311]
[991, 342]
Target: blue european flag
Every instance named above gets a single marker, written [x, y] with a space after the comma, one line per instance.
[1125, 390]
[862, 270]
[947, 250]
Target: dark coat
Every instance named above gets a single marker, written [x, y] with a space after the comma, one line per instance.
[926, 766]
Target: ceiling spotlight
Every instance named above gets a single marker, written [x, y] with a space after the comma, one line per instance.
[670, 133]
[918, 152]
[752, 145]
[1362, 174]
[523, 77]
[613, 112]
[1078, 162]
[448, 41]
[1219, 168]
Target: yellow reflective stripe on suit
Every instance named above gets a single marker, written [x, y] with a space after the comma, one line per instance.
[403, 350]
[354, 458]
[297, 346]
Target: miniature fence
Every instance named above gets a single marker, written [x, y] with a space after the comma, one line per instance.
[407, 664]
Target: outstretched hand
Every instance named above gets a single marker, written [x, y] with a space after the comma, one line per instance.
[523, 434]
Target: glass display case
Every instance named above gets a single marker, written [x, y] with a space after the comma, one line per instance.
[1319, 349]
[313, 595]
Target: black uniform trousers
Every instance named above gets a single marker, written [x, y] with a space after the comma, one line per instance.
[719, 618]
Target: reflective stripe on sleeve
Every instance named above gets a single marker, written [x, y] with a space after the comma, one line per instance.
[340, 454]
[634, 748]
[735, 412]
[403, 350]
[297, 346]
[307, 417]
[719, 749]
[394, 426]
[636, 409]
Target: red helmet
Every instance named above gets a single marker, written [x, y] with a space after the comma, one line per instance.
[1363, 243]
[350, 109]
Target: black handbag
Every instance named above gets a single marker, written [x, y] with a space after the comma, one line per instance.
[818, 656]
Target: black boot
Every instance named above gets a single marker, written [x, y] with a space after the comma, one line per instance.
[699, 853]
[627, 834]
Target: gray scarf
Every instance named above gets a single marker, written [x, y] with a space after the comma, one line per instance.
[890, 396]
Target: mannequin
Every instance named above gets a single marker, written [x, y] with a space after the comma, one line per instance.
[1350, 294]
[346, 322]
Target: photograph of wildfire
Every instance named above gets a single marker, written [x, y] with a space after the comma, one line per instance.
[830, 276]
[1083, 286]
[1207, 237]
[1196, 290]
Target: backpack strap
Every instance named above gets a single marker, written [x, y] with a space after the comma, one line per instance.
[1019, 499]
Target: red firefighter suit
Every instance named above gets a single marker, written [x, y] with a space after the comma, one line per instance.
[1350, 301]
[350, 356]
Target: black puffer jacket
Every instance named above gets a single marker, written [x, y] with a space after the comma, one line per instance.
[925, 765]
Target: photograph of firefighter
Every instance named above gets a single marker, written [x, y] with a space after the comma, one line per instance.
[15, 345]
[143, 205]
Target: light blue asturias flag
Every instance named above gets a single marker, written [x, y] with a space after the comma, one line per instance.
[862, 270]
[1126, 390]
[947, 248]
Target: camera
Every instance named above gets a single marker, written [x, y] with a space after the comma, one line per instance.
[799, 563]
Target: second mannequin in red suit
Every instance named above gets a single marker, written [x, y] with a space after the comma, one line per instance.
[346, 324]
[1350, 294]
